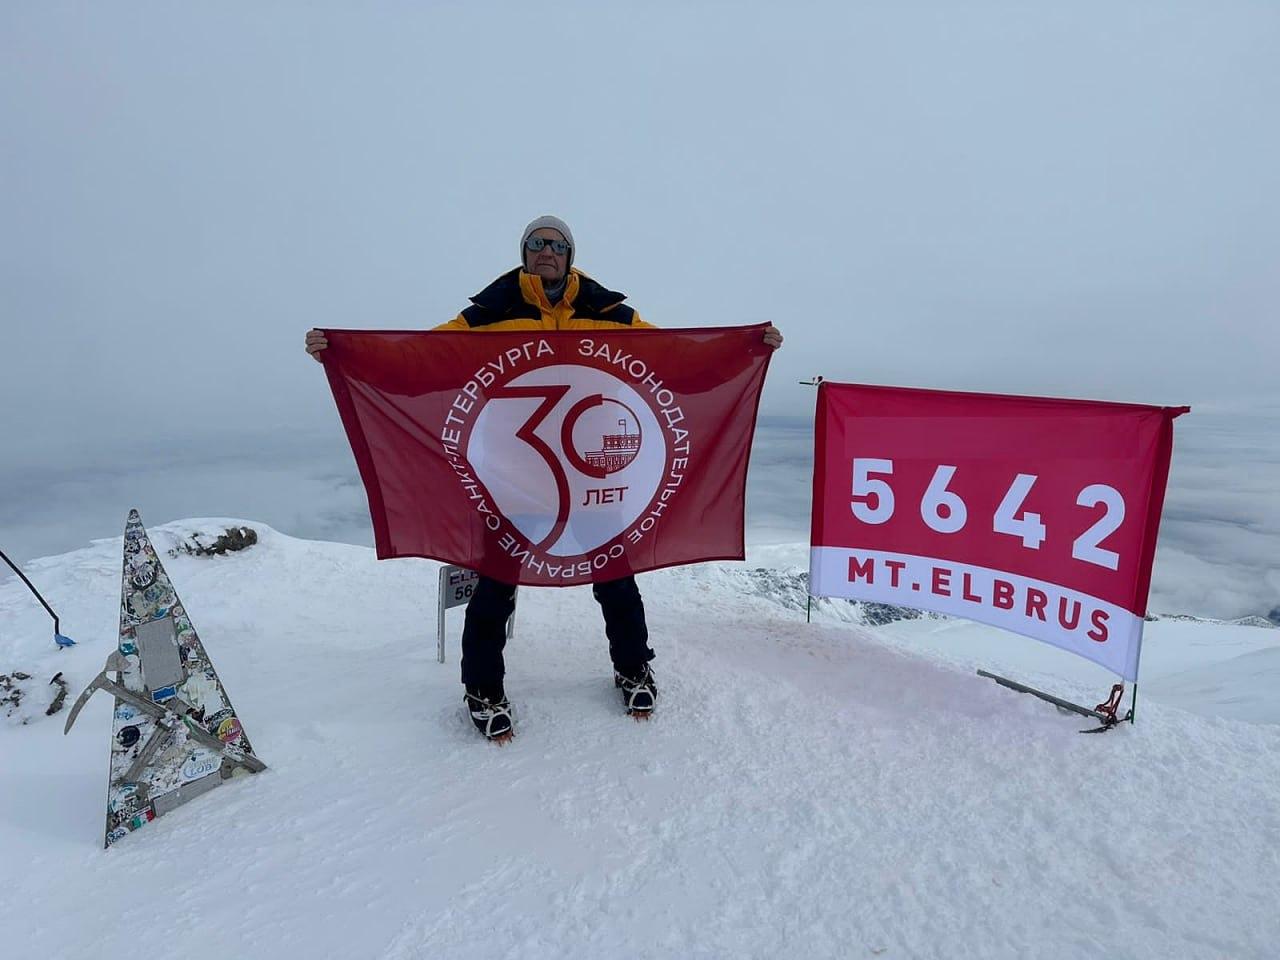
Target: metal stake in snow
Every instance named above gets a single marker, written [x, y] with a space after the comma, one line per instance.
[58, 638]
[1106, 711]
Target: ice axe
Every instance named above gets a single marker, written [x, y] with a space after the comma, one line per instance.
[167, 719]
[58, 638]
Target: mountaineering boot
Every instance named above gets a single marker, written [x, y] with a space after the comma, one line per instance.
[490, 712]
[639, 691]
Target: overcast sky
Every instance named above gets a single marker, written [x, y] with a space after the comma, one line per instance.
[1075, 199]
[1065, 199]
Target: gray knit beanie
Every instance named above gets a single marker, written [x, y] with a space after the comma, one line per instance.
[555, 223]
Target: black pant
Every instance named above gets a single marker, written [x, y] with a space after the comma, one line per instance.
[485, 632]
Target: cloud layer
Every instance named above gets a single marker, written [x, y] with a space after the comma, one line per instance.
[1219, 540]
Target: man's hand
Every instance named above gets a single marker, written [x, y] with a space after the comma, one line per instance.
[316, 341]
[772, 336]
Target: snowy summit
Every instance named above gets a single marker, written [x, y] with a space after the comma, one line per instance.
[833, 789]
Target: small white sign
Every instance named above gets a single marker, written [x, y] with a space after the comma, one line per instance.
[457, 584]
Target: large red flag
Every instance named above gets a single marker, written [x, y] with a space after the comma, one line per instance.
[1032, 514]
[552, 458]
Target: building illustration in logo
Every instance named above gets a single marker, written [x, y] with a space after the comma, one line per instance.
[617, 450]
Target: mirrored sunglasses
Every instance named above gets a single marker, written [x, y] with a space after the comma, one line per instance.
[535, 244]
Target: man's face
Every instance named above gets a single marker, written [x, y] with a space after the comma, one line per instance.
[546, 263]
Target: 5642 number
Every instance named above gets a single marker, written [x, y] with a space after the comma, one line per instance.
[942, 509]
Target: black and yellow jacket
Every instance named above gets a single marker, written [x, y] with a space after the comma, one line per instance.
[513, 302]
[516, 301]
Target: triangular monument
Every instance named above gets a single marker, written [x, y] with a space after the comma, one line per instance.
[174, 732]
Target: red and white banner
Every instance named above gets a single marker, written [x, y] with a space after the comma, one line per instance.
[552, 458]
[1032, 514]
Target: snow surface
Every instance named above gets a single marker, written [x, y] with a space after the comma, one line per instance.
[806, 790]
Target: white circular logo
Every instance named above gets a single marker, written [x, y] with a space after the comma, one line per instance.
[571, 455]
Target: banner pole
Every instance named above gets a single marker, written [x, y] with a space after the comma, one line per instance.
[808, 602]
[1133, 703]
